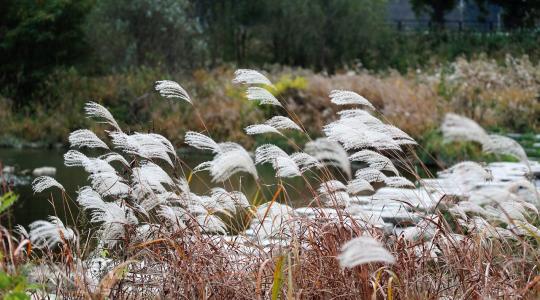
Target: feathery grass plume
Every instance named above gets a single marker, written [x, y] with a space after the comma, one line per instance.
[230, 159]
[305, 161]
[260, 129]
[330, 153]
[113, 156]
[42, 183]
[341, 97]
[201, 141]
[146, 145]
[468, 169]
[334, 192]
[23, 233]
[74, 158]
[86, 138]
[174, 215]
[359, 185]
[272, 126]
[374, 160]
[332, 186]
[282, 163]
[49, 233]
[370, 175]
[211, 223]
[363, 250]
[150, 177]
[171, 89]
[247, 76]
[262, 95]
[97, 111]
[459, 128]
[499, 144]
[234, 198]
[112, 216]
[103, 176]
[272, 220]
[352, 133]
[398, 181]
[109, 184]
[281, 122]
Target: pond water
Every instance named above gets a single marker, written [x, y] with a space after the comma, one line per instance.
[31, 207]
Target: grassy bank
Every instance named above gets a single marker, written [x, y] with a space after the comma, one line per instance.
[501, 96]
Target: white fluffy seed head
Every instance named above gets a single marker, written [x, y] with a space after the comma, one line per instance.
[341, 97]
[230, 159]
[499, 144]
[262, 95]
[282, 163]
[374, 160]
[459, 128]
[86, 138]
[45, 182]
[98, 111]
[280, 122]
[363, 250]
[201, 141]
[247, 76]
[329, 153]
[171, 89]
[260, 129]
[49, 233]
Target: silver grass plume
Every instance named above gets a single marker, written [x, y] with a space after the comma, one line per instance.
[370, 175]
[201, 141]
[113, 156]
[281, 122]
[260, 129]
[174, 215]
[146, 145]
[363, 250]
[334, 192]
[305, 161]
[171, 89]
[374, 160]
[111, 215]
[353, 133]
[211, 223]
[150, 177]
[230, 158]
[329, 153]
[86, 138]
[272, 126]
[262, 95]
[398, 181]
[499, 144]
[341, 97]
[97, 111]
[282, 163]
[49, 233]
[247, 76]
[458, 128]
[359, 185]
[45, 182]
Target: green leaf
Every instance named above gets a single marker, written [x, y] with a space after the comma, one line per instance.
[278, 278]
[7, 200]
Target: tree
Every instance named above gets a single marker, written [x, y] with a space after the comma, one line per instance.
[517, 13]
[126, 33]
[437, 9]
[35, 38]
